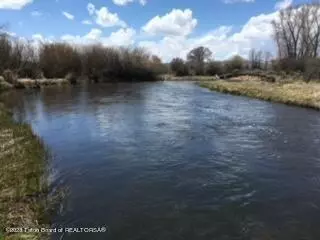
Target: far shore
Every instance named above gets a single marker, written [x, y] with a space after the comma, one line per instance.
[186, 78]
[295, 93]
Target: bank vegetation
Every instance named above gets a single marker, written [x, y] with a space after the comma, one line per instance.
[23, 61]
[23, 180]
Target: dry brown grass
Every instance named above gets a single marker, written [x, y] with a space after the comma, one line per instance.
[295, 93]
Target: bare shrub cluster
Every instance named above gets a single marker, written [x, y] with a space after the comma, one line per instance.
[297, 36]
[58, 60]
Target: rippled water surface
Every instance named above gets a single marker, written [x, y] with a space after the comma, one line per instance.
[175, 161]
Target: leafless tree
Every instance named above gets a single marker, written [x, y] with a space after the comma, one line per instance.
[267, 60]
[255, 58]
[297, 31]
[197, 58]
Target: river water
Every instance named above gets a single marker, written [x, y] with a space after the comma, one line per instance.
[172, 160]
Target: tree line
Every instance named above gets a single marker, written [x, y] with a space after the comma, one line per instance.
[24, 59]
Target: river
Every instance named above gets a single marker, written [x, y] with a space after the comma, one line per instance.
[172, 160]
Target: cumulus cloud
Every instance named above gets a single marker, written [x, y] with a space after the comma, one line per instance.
[14, 4]
[124, 36]
[68, 15]
[121, 37]
[224, 43]
[176, 23]
[94, 34]
[125, 2]
[104, 17]
[38, 37]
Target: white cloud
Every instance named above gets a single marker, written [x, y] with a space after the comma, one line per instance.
[283, 4]
[124, 36]
[121, 37]
[14, 4]
[256, 33]
[178, 46]
[258, 27]
[121, 2]
[68, 15]
[91, 9]
[238, 1]
[94, 34]
[176, 23]
[86, 22]
[12, 34]
[105, 18]
[143, 2]
[38, 37]
[125, 2]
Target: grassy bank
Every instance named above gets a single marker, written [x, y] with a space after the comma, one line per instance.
[295, 93]
[22, 178]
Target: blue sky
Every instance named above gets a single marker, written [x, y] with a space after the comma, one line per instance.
[167, 28]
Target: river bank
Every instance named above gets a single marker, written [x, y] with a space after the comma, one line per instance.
[294, 93]
[32, 83]
[23, 179]
[168, 77]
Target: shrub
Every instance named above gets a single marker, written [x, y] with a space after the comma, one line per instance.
[214, 67]
[111, 64]
[10, 77]
[17, 55]
[71, 78]
[56, 60]
[289, 65]
[60, 60]
[157, 66]
[30, 70]
[179, 67]
[5, 52]
[235, 63]
[312, 69]
[4, 85]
